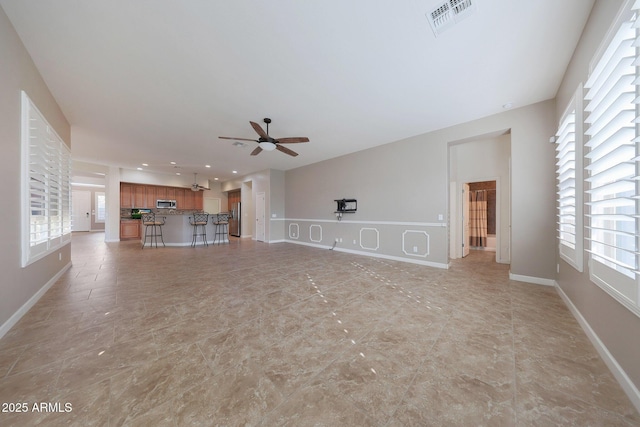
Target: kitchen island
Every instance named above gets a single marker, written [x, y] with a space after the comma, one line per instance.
[177, 230]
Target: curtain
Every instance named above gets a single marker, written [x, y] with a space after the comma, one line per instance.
[478, 218]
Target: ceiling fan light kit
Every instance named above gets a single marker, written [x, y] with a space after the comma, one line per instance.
[267, 143]
[197, 187]
[267, 146]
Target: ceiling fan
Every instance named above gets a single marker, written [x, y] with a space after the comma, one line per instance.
[267, 143]
[195, 186]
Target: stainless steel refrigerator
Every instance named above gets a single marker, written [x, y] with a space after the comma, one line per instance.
[234, 220]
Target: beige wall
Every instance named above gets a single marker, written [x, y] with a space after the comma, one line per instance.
[614, 325]
[276, 205]
[407, 182]
[19, 285]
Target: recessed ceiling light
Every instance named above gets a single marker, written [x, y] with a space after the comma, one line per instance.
[145, 164]
[173, 163]
[508, 105]
[215, 179]
[177, 173]
[234, 171]
[207, 166]
[139, 169]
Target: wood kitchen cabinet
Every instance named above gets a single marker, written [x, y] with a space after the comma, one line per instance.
[139, 196]
[145, 196]
[151, 196]
[126, 195]
[189, 199]
[130, 229]
[170, 194]
[161, 193]
[179, 198]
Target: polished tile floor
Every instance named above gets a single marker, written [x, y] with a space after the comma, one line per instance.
[251, 334]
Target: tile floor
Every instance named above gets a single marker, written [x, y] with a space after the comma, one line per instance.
[251, 334]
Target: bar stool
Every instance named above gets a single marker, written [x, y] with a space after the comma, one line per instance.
[149, 220]
[199, 220]
[221, 225]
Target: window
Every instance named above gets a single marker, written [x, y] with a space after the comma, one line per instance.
[46, 186]
[569, 171]
[100, 207]
[612, 163]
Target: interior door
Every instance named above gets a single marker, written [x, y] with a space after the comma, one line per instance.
[260, 217]
[465, 220]
[80, 210]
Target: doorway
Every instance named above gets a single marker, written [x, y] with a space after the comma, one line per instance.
[234, 208]
[260, 217]
[483, 161]
[81, 210]
[479, 216]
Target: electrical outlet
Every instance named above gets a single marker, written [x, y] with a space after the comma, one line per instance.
[59, 256]
[415, 249]
[440, 217]
[354, 241]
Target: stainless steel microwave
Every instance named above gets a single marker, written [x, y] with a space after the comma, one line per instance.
[166, 204]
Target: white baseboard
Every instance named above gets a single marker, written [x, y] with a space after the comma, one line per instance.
[531, 279]
[373, 255]
[621, 376]
[6, 326]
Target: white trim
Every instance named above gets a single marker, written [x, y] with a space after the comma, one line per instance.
[377, 238]
[531, 279]
[374, 255]
[277, 241]
[621, 376]
[344, 221]
[311, 238]
[15, 318]
[295, 235]
[427, 246]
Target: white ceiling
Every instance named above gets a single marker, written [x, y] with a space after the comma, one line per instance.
[154, 81]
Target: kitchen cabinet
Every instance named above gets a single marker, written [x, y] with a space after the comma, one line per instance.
[145, 196]
[139, 198]
[126, 195]
[171, 194]
[199, 201]
[180, 198]
[151, 196]
[130, 229]
[189, 199]
[161, 193]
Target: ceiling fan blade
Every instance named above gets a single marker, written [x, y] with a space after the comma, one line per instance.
[286, 150]
[293, 140]
[257, 151]
[259, 130]
[237, 139]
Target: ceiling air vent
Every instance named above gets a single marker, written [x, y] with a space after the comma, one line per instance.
[449, 13]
